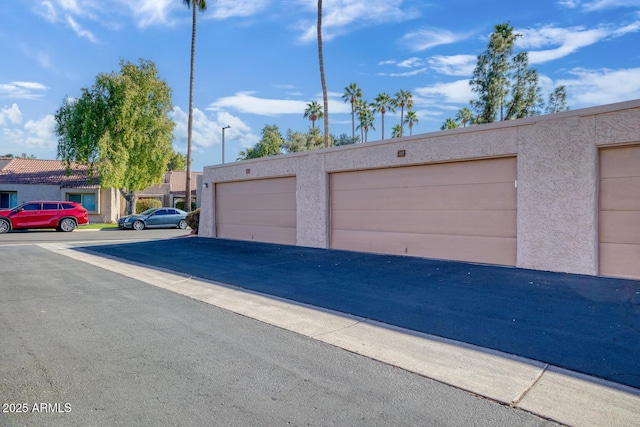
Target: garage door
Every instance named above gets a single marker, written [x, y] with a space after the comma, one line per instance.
[620, 212]
[263, 210]
[461, 211]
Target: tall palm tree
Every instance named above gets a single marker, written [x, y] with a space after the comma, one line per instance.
[410, 120]
[313, 112]
[366, 115]
[325, 98]
[396, 132]
[449, 123]
[352, 94]
[464, 116]
[403, 98]
[201, 5]
[384, 103]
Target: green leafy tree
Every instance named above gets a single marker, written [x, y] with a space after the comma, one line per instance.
[449, 123]
[119, 128]
[557, 101]
[345, 139]
[200, 5]
[403, 98]
[410, 120]
[325, 97]
[353, 95]
[271, 144]
[299, 141]
[464, 116]
[384, 103]
[313, 112]
[177, 162]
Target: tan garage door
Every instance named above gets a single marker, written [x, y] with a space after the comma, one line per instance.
[620, 212]
[462, 211]
[263, 210]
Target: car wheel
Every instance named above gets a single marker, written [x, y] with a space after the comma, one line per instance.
[67, 225]
[182, 224]
[4, 226]
[138, 225]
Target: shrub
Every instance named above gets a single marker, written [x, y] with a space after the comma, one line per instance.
[144, 204]
[193, 220]
[180, 205]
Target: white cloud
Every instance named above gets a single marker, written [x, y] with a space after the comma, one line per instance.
[598, 87]
[405, 74]
[454, 92]
[245, 102]
[455, 65]
[596, 5]
[567, 40]
[429, 37]
[344, 16]
[207, 132]
[10, 115]
[35, 134]
[411, 62]
[224, 9]
[21, 90]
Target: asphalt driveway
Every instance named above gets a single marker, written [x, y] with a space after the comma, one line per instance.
[582, 323]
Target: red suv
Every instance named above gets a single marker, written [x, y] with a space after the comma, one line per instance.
[63, 216]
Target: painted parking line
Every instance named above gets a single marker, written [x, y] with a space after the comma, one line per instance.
[548, 391]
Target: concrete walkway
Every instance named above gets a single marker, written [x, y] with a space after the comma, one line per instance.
[561, 346]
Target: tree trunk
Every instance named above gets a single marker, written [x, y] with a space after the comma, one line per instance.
[187, 196]
[129, 196]
[322, 80]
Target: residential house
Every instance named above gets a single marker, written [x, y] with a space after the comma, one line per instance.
[22, 180]
[172, 188]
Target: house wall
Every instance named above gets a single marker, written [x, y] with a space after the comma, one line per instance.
[557, 177]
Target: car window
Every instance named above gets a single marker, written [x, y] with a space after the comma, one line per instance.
[161, 212]
[68, 206]
[149, 211]
[172, 212]
[32, 207]
[50, 206]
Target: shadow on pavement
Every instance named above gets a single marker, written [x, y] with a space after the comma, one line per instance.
[582, 323]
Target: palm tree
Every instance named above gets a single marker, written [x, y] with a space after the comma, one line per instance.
[352, 94]
[464, 116]
[322, 80]
[411, 119]
[449, 124]
[366, 117]
[383, 103]
[202, 6]
[396, 132]
[403, 99]
[313, 112]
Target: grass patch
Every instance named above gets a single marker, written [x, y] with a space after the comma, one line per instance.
[96, 226]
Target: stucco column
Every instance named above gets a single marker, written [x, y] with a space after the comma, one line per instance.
[312, 202]
[557, 196]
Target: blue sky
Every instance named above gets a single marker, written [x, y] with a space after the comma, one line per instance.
[257, 62]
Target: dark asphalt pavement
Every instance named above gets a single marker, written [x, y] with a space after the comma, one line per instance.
[582, 323]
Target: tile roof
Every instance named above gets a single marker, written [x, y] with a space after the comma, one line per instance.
[43, 172]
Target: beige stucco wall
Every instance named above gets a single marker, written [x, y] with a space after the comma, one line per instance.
[557, 161]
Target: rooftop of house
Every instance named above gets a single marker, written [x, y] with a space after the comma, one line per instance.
[44, 172]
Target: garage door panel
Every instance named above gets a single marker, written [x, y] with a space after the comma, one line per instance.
[620, 193]
[496, 223]
[277, 218]
[472, 249]
[463, 210]
[485, 171]
[257, 187]
[620, 227]
[620, 162]
[262, 210]
[281, 235]
[620, 260]
[443, 197]
[268, 201]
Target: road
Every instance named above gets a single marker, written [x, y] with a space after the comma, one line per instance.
[84, 346]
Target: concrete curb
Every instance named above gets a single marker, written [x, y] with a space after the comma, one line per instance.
[550, 392]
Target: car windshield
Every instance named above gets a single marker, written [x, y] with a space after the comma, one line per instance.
[149, 211]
